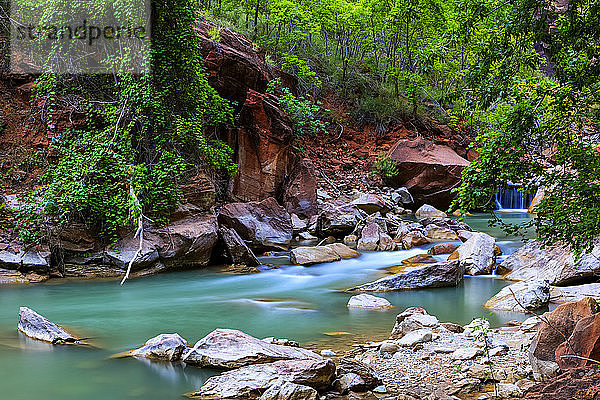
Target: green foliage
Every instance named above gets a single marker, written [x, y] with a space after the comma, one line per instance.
[384, 166]
[538, 131]
[301, 110]
[142, 136]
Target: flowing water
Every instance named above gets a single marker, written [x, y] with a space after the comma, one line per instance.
[305, 304]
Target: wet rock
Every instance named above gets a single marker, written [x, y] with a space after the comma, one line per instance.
[337, 219]
[305, 255]
[583, 342]
[427, 211]
[560, 325]
[237, 250]
[367, 376]
[168, 347]
[10, 277]
[229, 348]
[555, 263]
[371, 203]
[265, 225]
[251, 381]
[443, 248]
[307, 236]
[284, 390]
[531, 295]
[412, 319]
[445, 274]
[368, 301]
[38, 327]
[476, 255]
[428, 170]
[300, 196]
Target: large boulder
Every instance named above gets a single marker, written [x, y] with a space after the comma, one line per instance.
[583, 342]
[559, 325]
[284, 390]
[555, 263]
[445, 274]
[337, 219]
[229, 348]
[166, 346]
[477, 254]
[300, 195]
[252, 381]
[38, 327]
[428, 170]
[237, 250]
[373, 238]
[521, 297]
[265, 225]
[306, 255]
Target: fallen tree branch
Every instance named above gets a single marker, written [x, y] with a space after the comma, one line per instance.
[139, 232]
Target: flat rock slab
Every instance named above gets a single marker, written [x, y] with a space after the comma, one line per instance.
[446, 274]
[307, 255]
[252, 381]
[229, 348]
[38, 327]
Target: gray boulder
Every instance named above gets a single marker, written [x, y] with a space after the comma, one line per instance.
[555, 263]
[252, 381]
[265, 225]
[371, 203]
[38, 327]
[374, 238]
[167, 347]
[337, 219]
[476, 255]
[445, 274]
[368, 301]
[15, 256]
[229, 348]
[413, 319]
[355, 376]
[402, 196]
[528, 296]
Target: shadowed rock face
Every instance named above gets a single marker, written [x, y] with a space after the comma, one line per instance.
[445, 274]
[237, 250]
[250, 382]
[38, 327]
[229, 348]
[428, 170]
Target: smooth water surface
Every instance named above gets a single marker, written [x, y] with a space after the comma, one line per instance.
[300, 303]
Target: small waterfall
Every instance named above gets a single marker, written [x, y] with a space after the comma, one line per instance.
[513, 199]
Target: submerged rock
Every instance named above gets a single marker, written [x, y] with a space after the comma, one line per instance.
[445, 274]
[521, 297]
[252, 381]
[368, 301]
[166, 346]
[229, 348]
[38, 327]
